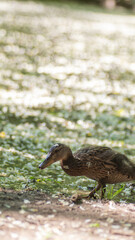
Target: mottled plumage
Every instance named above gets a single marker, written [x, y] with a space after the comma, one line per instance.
[102, 164]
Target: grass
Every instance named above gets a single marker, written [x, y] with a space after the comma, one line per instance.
[67, 75]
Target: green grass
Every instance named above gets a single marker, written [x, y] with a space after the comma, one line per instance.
[67, 75]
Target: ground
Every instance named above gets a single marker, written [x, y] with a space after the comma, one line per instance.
[36, 215]
[67, 74]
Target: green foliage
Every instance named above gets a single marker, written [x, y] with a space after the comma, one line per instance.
[113, 192]
[66, 76]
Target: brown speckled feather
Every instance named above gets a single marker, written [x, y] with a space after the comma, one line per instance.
[99, 163]
[104, 164]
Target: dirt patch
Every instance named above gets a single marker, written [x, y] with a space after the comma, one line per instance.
[35, 215]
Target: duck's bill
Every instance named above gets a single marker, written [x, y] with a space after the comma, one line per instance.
[47, 162]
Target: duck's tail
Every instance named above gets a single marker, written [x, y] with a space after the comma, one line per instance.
[125, 165]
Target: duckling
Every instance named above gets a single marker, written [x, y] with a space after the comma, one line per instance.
[99, 163]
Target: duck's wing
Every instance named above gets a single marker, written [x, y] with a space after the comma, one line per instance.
[97, 157]
[95, 152]
[107, 159]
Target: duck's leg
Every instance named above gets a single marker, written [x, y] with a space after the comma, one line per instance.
[77, 197]
[103, 190]
[92, 193]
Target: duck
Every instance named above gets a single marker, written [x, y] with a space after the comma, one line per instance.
[100, 163]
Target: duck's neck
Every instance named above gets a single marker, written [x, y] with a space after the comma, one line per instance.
[70, 165]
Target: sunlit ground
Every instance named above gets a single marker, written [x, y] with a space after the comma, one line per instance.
[66, 75]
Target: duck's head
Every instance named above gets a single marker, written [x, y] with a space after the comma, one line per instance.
[57, 152]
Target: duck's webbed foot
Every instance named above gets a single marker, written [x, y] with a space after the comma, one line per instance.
[78, 197]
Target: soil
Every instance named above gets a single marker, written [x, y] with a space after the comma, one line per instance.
[36, 215]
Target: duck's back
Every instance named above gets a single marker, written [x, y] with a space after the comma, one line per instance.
[104, 164]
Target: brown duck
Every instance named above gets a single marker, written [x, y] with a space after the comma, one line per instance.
[102, 164]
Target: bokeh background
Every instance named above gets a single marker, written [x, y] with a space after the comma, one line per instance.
[67, 74]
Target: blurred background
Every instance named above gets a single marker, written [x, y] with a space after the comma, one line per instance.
[67, 74]
[109, 4]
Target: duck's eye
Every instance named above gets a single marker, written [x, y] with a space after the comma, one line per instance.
[56, 150]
